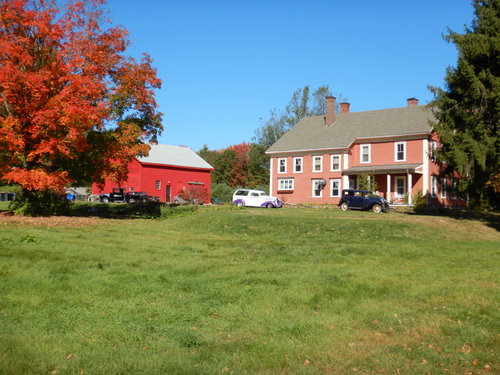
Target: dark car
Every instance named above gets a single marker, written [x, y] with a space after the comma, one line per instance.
[137, 196]
[362, 200]
[117, 195]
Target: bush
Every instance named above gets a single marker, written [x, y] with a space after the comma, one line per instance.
[222, 191]
[194, 194]
[40, 203]
[419, 202]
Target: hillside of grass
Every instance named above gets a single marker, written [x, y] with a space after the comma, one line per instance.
[250, 291]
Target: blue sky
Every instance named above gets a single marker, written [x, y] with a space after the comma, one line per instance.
[226, 64]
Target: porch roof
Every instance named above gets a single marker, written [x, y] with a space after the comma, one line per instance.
[386, 168]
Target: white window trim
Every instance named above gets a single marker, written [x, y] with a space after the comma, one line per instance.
[321, 163]
[443, 187]
[369, 153]
[339, 187]
[312, 189]
[279, 165]
[301, 164]
[339, 156]
[396, 151]
[281, 182]
[433, 186]
[158, 185]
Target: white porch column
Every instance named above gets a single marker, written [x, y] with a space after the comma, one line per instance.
[410, 185]
[425, 168]
[388, 192]
[271, 161]
[345, 182]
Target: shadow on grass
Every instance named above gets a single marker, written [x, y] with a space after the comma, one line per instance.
[490, 219]
[150, 210]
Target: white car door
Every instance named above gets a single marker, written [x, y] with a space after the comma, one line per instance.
[253, 199]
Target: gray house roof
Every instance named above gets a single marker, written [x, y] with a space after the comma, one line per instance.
[311, 133]
[180, 156]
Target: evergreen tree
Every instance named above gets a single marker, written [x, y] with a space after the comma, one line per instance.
[467, 110]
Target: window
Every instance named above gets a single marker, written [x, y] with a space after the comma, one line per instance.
[335, 188]
[365, 153]
[285, 184]
[335, 163]
[433, 186]
[443, 188]
[433, 150]
[297, 165]
[317, 188]
[130, 189]
[400, 151]
[158, 185]
[282, 165]
[454, 188]
[317, 163]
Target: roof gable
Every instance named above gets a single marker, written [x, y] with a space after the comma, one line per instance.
[311, 133]
[180, 156]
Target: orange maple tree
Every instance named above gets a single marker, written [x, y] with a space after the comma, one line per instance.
[73, 106]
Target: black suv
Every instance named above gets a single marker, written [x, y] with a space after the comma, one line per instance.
[362, 200]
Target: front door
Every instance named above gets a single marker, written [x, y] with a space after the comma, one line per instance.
[167, 198]
[400, 187]
[352, 182]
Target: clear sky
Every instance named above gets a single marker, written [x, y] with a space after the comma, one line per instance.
[226, 64]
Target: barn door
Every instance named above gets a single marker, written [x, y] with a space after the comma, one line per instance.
[168, 194]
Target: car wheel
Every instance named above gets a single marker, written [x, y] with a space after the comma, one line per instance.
[105, 200]
[377, 208]
[269, 205]
[240, 204]
[344, 206]
[131, 200]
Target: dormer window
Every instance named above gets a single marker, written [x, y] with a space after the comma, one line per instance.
[365, 151]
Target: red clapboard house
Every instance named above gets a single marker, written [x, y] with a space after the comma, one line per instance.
[164, 173]
[321, 155]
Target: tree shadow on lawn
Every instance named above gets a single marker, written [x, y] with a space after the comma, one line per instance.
[148, 210]
[491, 219]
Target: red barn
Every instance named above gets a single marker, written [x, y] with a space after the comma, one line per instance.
[164, 173]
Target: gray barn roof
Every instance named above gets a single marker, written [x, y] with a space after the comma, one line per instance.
[311, 133]
[180, 156]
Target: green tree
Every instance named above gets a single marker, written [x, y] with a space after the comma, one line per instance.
[467, 109]
[299, 106]
[258, 166]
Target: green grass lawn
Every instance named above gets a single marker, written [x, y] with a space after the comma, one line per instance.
[252, 291]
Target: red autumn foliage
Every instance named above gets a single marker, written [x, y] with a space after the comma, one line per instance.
[195, 194]
[70, 100]
[239, 169]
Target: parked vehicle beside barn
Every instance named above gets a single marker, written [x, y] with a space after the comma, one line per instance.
[164, 174]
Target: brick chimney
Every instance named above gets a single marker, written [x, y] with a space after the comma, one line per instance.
[330, 110]
[412, 102]
[344, 107]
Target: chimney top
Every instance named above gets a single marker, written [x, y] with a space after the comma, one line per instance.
[344, 107]
[412, 102]
[330, 110]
